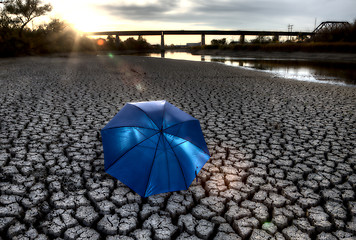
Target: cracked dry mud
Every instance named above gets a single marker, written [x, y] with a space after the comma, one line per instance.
[283, 152]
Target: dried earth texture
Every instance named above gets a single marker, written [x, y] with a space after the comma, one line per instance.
[283, 152]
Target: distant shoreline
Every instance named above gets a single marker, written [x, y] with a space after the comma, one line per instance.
[259, 55]
[348, 58]
[264, 55]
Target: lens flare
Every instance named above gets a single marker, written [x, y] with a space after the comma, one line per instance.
[267, 225]
[111, 55]
[100, 42]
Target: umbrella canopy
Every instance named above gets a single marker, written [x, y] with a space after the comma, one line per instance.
[154, 147]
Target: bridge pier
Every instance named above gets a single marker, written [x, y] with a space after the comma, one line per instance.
[202, 40]
[242, 39]
[162, 41]
[276, 38]
[117, 40]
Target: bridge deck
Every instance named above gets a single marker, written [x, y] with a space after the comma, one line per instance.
[199, 32]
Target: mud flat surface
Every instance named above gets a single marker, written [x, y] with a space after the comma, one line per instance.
[283, 152]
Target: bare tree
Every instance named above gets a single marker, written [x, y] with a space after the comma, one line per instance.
[5, 20]
[21, 12]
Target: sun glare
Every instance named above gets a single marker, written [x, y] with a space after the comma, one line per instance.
[83, 17]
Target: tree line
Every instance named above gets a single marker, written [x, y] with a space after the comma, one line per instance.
[328, 40]
[17, 38]
[55, 36]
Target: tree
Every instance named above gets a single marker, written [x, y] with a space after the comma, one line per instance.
[261, 39]
[5, 21]
[139, 44]
[56, 25]
[111, 41]
[21, 12]
[218, 41]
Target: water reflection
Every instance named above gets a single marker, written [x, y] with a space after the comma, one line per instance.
[176, 55]
[324, 72]
[321, 72]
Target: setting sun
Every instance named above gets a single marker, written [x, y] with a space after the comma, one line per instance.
[81, 15]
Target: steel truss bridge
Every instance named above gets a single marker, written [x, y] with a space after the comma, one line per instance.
[330, 26]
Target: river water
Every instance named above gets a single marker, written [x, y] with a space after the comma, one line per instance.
[302, 70]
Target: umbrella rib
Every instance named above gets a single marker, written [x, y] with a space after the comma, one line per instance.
[185, 181]
[129, 127]
[188, 141]
[129, 151]
[164, 111]
[180, 123]
[179, 143]
[146, 115]
[176, 132]
[165, 152]
[145, 135]
[153, 162]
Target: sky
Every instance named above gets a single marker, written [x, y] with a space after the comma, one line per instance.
[111, 15]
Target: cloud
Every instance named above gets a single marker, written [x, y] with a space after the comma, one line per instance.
[233, 14]
[149, 11]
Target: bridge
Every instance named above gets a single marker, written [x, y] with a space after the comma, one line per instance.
[203, 33]
[331, 26]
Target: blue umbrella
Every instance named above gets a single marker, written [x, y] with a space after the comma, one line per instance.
[154, 147]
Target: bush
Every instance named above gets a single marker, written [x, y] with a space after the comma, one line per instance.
[261, 40]
[218, 42]
[128, 44]
[54, 37]
[295, 47]
[133, 44]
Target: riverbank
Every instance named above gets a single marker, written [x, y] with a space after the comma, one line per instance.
[282, 161]
[267, 55]
[348, 58]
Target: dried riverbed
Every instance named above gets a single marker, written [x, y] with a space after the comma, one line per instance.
[283, 162]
